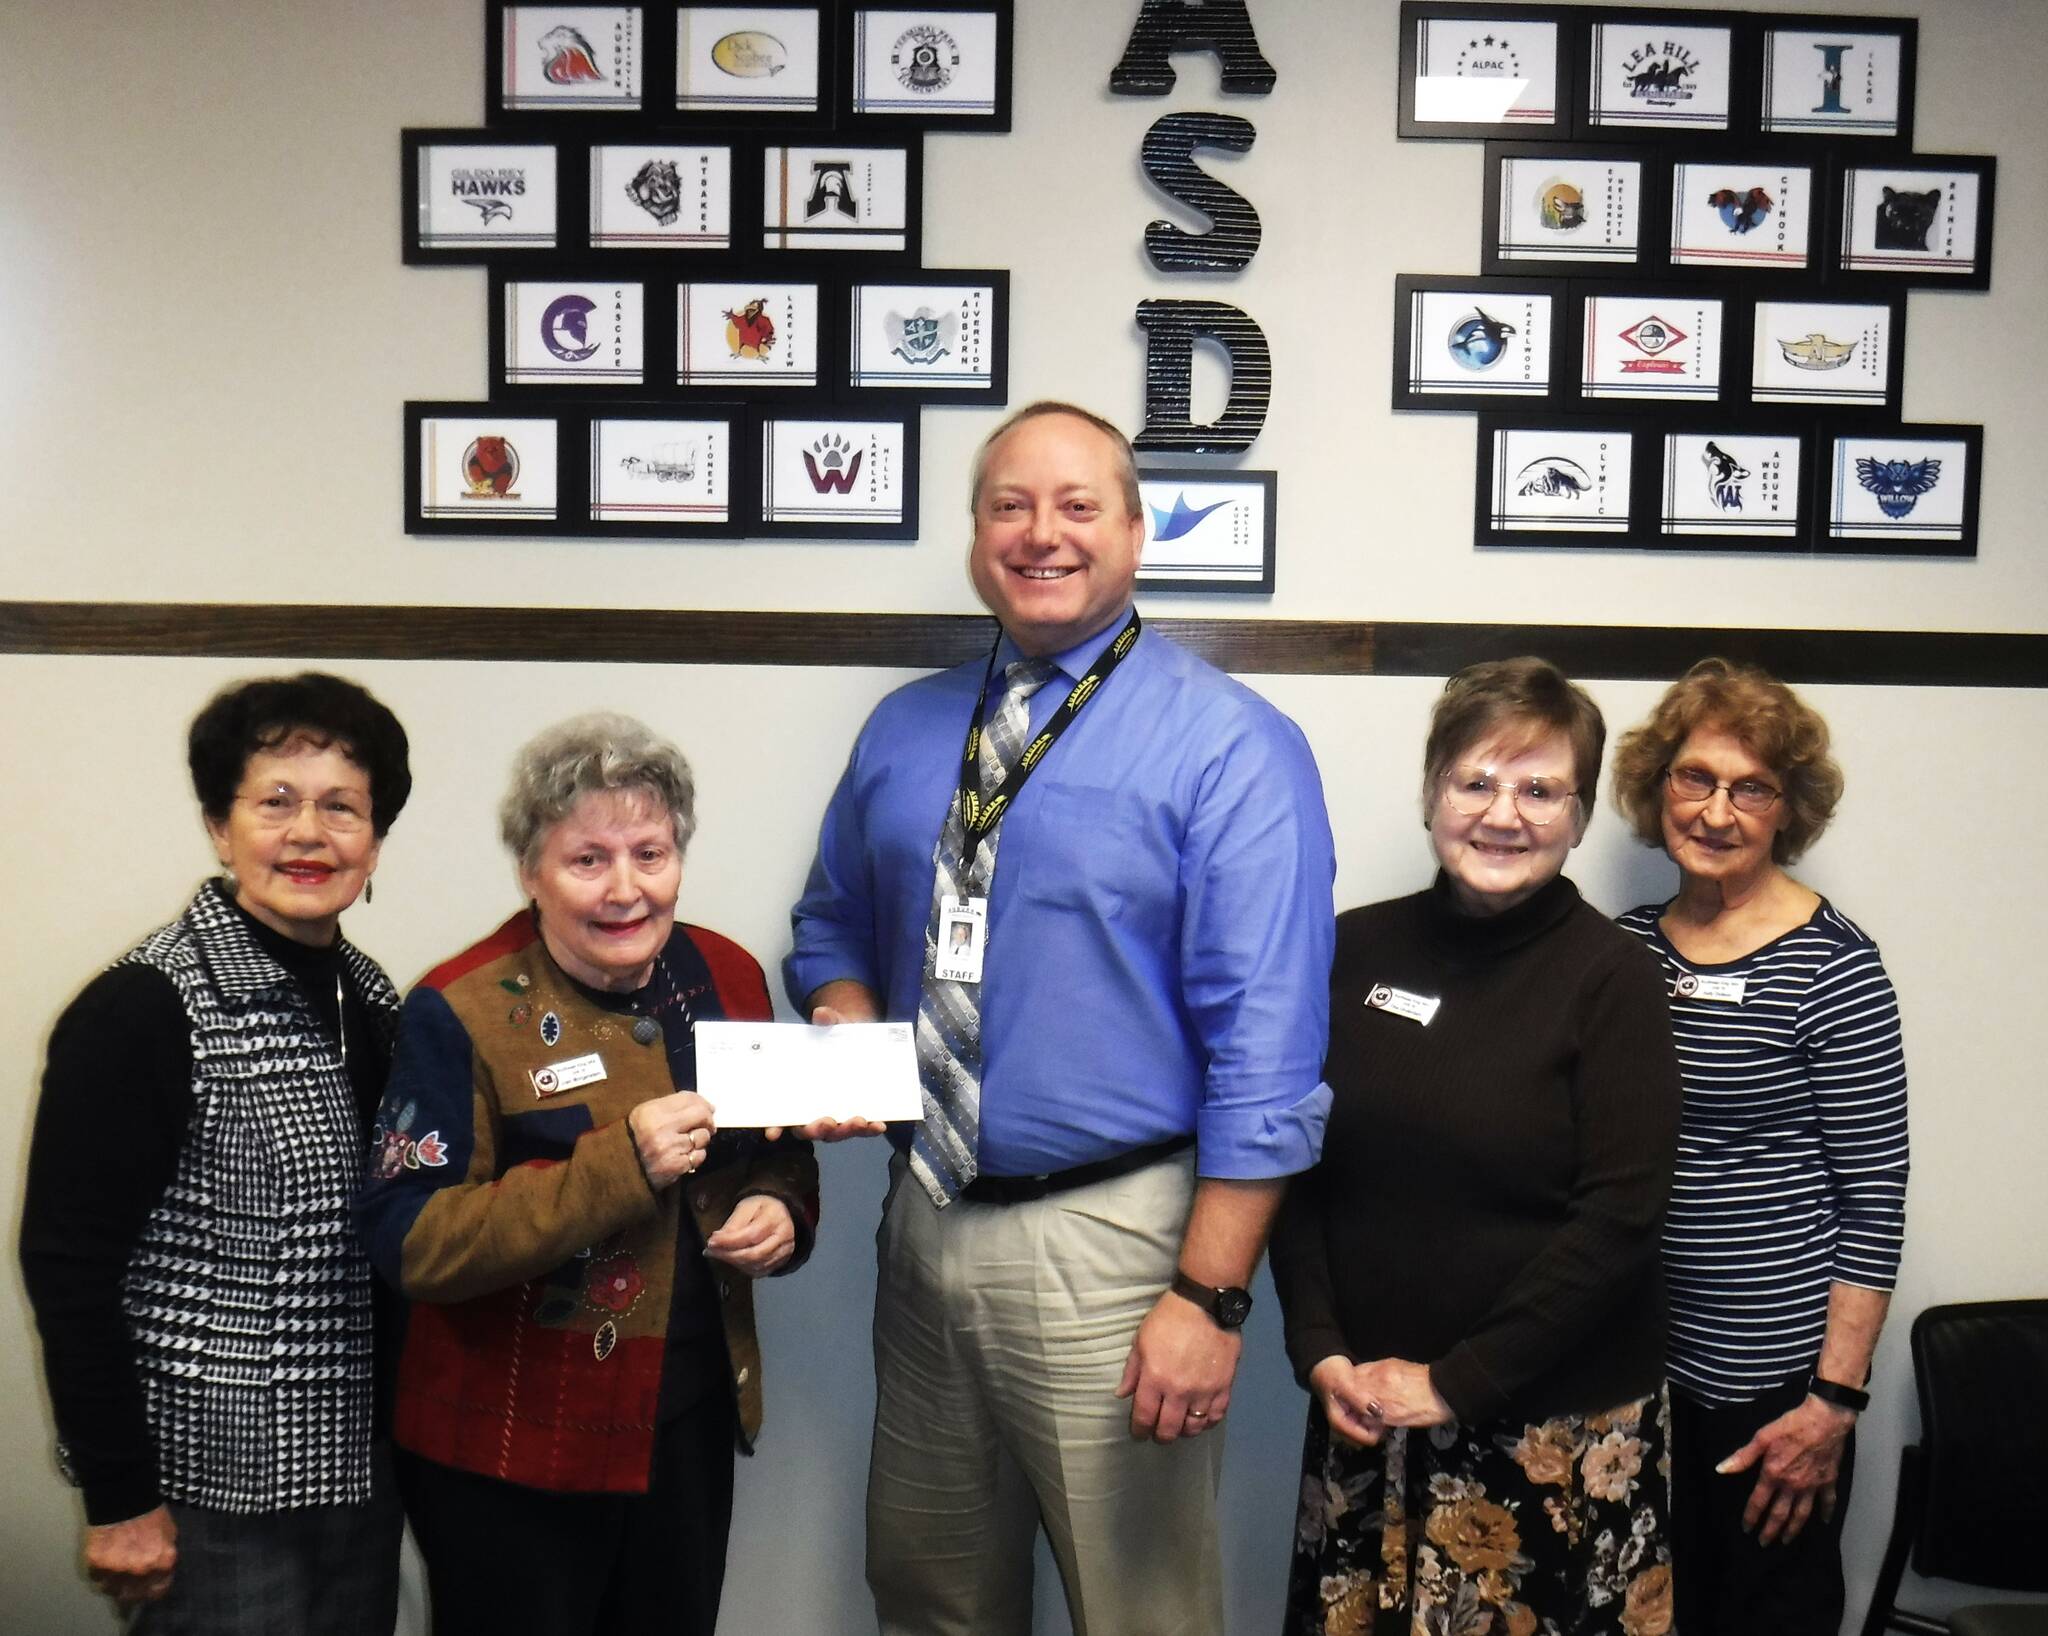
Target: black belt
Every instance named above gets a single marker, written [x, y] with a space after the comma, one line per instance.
[1024, 1189]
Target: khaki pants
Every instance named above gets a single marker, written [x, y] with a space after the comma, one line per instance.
[1001, 1333]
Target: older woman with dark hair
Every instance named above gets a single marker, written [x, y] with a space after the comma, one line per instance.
[205, 1307]
[1469, 1276]
[577, 1242]
[1788, 1210]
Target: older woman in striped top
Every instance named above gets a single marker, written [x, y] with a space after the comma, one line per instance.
[1788, 1208]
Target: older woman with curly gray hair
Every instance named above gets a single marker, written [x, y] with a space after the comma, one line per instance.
[577, 1240]
[1788, 1207]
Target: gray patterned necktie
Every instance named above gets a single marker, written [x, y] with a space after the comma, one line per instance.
[943, 1152]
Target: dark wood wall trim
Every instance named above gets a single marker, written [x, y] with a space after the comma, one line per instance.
[1295, 647]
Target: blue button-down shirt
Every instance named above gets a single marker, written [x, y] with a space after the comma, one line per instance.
[1160, 920]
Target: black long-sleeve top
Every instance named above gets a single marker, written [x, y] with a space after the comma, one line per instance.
[1493, 1183]
[116, 1106]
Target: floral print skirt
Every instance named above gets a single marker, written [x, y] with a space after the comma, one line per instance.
[1497, 1529]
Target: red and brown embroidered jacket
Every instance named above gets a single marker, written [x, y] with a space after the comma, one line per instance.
[506, 1201]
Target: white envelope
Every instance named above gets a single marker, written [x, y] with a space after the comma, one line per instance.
[795, 1073]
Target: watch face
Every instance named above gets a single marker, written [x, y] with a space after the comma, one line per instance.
[1233, 1306]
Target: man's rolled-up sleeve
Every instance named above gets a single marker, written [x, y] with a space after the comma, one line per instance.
[1257, 871]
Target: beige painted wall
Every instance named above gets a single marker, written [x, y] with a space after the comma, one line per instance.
[211, 338]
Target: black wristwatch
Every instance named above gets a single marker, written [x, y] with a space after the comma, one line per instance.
[1833, 1391]
[1227, 1304]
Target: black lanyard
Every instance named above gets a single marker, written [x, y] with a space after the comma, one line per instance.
[982, 816]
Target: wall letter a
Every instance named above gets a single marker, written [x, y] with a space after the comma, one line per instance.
[1163, 26]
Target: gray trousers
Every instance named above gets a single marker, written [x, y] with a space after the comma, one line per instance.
[1001, 1333]
[323, 1570]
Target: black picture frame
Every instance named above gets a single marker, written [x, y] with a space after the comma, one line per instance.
[435, 500]
[1523, 204]
[844, 244]
[537, 375]
[884, 95]
[1742, 231]
[504, 173]
[1164, 569]
[736, 376]
[1646, 369]
[1719, 484]
[1654, 72]
[558, 91]
[754, 111]
[605, 182]
[980, 326]
[1560, 482]
[1423, 379]
[794, 519]
[613, 511]
[577, 485]
[1796, 358]
[1855, 256]
[1844, 524]
[1783, 118]
[1427, 115]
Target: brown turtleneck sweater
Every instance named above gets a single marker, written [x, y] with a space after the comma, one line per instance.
[1492, 1185]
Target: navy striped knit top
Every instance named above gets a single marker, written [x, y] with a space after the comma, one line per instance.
[1791, 1150]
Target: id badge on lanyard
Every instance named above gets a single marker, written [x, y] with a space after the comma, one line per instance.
[963, 921]
[963, 937]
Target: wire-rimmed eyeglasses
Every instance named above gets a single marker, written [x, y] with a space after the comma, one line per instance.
[339, 812]
[1540, 799]
[1693, 785]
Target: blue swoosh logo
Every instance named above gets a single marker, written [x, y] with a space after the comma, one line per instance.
[1171, 525]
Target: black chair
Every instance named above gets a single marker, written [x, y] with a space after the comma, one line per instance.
[1973, 1492]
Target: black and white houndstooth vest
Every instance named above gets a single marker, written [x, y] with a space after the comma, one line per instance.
[247, 1295]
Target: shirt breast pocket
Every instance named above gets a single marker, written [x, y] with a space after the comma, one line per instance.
[1083, 849]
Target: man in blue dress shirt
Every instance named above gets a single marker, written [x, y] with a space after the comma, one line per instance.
[1139, 1027]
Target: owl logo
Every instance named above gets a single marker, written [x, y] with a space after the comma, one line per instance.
[1898, 484]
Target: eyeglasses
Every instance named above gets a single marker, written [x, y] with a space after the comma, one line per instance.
[1696, 784]
[1473, 790]
[339, 812]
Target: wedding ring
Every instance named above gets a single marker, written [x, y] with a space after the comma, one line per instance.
[1372, 1408]
[1198, 1414]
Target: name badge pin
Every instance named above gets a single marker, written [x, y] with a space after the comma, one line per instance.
[569, 1075]
[1417, 1008]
